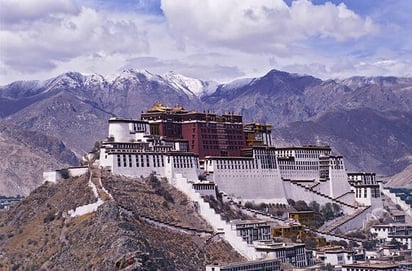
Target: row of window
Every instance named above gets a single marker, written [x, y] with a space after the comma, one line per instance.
[375, 192]
[299, 168]
[236, 164]
[267, 161]
[139, 160]
[182, 162]
[156, 160]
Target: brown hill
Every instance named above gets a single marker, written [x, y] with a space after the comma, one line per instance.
[147, 225]
[385, 150]
[24, 155]
[402, 179]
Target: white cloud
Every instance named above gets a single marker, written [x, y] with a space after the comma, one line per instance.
[13, 11]
[49, 40]
[207, 39]
[253, 25]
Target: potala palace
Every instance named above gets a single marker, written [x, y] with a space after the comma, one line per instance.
[202, 153]
[239, 158]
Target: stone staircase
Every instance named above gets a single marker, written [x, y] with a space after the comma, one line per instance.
[344, 194]
[95, 178]
[310, 189]
[328, 235]
[336, 223]
[219, 225]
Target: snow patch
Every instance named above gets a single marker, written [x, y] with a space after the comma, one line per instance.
[190, 86]
[238, 83]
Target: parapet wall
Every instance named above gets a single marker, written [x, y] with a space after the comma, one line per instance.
[56, 175]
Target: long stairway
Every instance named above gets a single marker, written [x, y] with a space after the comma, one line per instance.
[334, 200]
[336, 223]
[219, 225]
[330, 235]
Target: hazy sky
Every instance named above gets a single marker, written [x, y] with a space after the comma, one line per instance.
[207, 39]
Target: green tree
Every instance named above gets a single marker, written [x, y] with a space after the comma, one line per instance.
[314, 206]
[327, 211]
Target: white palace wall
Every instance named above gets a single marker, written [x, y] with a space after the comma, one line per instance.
[251, 185]
[338, 182]
[144, 164]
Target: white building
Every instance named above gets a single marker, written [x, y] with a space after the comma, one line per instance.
[269, 265]
[252, 230]
[397, 231]
[253, 177]
[337, 255]
[292, 253]
[370, 266]
[366, 188]
[131, 151]
[302, 162]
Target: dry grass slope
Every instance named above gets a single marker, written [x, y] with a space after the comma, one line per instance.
[37, 234]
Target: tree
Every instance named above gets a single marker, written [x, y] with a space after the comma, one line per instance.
[337, 211]
[301, 205]
[327, 211]
[310, 243]
[314, 206]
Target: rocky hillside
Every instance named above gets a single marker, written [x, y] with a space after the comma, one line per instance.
[402, 179]
[74, 108]
[25, 155]
[280, 97]
[143, 227]
[369, 140]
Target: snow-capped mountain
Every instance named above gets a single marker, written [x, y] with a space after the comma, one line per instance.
[192, 86]
[347, 114]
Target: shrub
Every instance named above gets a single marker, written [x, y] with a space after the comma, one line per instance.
[65, 173]
[49, 217]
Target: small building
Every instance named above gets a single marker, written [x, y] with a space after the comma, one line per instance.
[252, 230]
[292, 253]
[337, 255]
[205, 188]
[304, 217]
[389, 250]
[268, 265]
[399, 217]
[366, 188]
[291, 230]
[405, 265]
[397, 231]
[403, 236]
[369, 266]
[257, 134]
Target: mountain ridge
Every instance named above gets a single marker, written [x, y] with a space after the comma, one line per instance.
[74, 107]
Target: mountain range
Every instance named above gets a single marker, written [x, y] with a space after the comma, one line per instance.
[368, 120]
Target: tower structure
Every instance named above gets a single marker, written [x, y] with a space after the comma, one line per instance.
[206, 133]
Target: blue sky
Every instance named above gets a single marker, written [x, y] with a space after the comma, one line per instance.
[206, 39]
